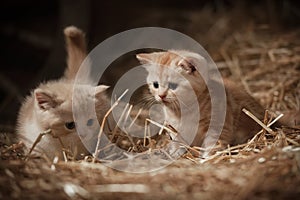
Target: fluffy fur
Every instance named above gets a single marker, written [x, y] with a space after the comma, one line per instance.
[175, 82]
[50, 105]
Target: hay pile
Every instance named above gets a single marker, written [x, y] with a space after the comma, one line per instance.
[271, 172]
[266, 167]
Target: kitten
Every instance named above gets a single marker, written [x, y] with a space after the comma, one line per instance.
[173, 79]
[50, 105]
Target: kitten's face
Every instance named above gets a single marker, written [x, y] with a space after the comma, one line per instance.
[172, 77]
[54, 107]
[166, 84]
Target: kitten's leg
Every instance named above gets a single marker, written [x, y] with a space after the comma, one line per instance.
[216, 141]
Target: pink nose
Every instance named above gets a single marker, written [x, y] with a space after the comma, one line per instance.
[162, 96]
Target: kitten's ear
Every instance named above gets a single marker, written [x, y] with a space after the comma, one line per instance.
[101, 88]
[145, 58]
[44, 99]
[194, 62]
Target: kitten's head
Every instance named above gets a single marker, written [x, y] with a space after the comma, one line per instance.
[53, 106]
[173, 75]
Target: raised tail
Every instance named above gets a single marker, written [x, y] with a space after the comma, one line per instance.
[76, 50]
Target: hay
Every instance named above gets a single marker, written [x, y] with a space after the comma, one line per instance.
[266, 167]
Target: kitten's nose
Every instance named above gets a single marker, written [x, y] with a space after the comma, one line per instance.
[162, 96]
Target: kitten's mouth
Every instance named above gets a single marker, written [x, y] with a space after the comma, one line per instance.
[164, 101]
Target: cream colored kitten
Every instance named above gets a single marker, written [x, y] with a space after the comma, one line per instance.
[174, 82]
[50, 105]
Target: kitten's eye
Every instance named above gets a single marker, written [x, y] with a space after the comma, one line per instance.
[70, 125]
[173, 86]
[90, 122]
[155, 84]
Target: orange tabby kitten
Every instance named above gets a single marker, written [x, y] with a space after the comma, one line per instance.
[50, 105]
[172, 79]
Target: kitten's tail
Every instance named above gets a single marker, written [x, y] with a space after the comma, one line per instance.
[76, 50]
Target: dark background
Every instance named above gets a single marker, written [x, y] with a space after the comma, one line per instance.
[32, 45]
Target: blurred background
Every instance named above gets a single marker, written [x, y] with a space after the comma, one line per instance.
[32, 45]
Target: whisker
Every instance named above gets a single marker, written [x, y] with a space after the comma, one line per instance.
[176, 106]
[180, 101]
[146, 97]
[147, 104]
[186, 106]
